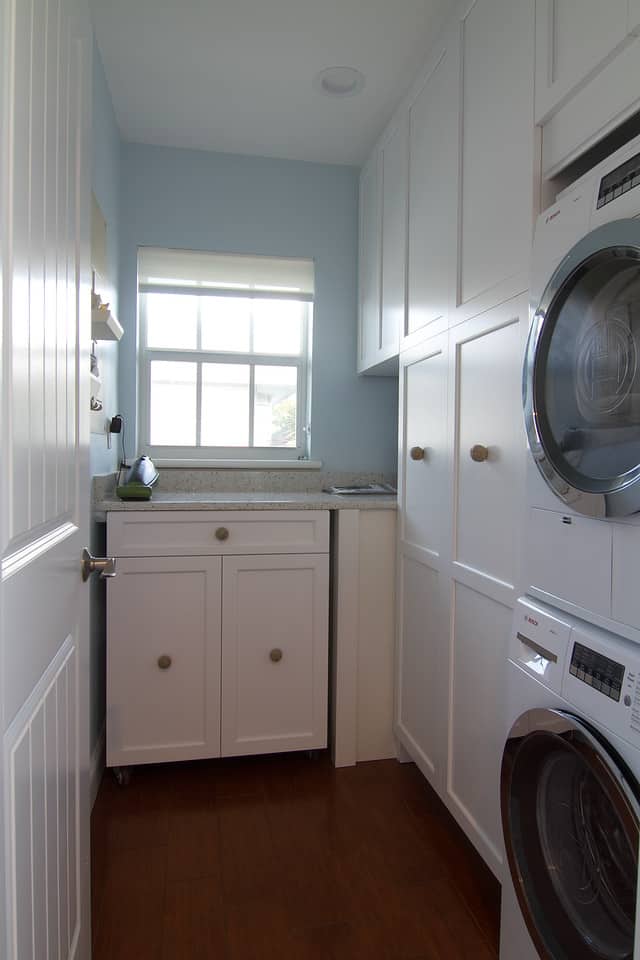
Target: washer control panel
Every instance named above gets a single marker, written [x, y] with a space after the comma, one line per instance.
[597, 671]
[619, 181]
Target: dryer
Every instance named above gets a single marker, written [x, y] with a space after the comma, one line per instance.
[581, 393]
[570, 792]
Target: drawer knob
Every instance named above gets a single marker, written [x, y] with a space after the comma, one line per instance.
[164, 662]
[275, 655]
[417, 453]
[479, 453]
[222, 533]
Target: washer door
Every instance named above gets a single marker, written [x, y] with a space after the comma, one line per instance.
[582, 374]
[571, 821]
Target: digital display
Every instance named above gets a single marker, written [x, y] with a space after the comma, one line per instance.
[619, 181]
[597, 671]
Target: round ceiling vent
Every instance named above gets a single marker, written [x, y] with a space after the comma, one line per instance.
[339, 81]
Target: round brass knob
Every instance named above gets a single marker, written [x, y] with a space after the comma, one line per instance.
[479, 453]
[275, 655]
[164, 662]
[417, 453]
[222, 533]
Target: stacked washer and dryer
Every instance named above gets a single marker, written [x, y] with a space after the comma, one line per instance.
[570, 788]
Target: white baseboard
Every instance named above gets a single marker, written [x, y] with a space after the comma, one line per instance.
[97, 765]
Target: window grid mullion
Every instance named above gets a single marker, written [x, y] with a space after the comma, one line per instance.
[252, 402]
[199, 405]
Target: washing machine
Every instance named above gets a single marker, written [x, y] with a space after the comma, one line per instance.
[570, 792]
[581, 394]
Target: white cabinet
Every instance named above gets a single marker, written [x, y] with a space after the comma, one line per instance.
[163, 659]
[394, 236]
[458, 548]
[488, 477]
[424, 488]
[587, 63]
[496, 193]
[433, 127]
[211, 654]
[370, 240]
[383, 228]
[274, 653]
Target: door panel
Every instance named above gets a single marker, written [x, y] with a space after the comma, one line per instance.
[44, 477]
[274, 653]
[425, 483]
[421, 666]
[163, 607]
[496, 186]
[573, 37]
[394, 237]
[489, 363]
[432, 194]
[478, 656]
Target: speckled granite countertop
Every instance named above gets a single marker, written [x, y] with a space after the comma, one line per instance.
[247, 500]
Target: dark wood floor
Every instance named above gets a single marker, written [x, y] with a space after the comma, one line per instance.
[285, 857]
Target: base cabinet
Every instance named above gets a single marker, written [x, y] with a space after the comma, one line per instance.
[223, 655]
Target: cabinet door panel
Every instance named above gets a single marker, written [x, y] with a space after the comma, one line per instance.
[421, 666]
[369, 266]
[573, 37]
[432, 195]
[497, 147]
[479, 652]
[424, 484]
[274, 653]
[489, 364]
[394, 237]
[163, 607]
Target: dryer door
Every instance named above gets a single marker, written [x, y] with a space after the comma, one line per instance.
[582, 374]
[571, 819]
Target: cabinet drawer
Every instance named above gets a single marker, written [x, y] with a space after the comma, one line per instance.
[192, 533]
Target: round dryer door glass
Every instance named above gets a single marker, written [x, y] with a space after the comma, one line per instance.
[583, 376]
[571, 833]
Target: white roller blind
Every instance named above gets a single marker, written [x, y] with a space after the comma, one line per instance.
[224, 271]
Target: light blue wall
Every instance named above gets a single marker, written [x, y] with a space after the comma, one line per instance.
[106, 189]
[206, 201]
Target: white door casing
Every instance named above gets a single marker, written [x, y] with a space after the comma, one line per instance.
[44, 478]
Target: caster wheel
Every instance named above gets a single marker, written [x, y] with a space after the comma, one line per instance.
[122, 776]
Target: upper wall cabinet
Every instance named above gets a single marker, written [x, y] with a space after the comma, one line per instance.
[496, 193]
[587, 64]
[383, 228]
[369, 264]
[432, 191]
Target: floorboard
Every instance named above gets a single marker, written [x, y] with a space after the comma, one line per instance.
[285, 857]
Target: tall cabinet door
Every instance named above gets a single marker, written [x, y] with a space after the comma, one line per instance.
[424, 488]
[275, 653]
[486, 363]
[431, 255]
[163, 660]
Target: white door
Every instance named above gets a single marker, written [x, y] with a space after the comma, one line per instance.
[44, 167]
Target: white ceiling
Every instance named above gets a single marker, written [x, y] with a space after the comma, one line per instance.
[236, 75]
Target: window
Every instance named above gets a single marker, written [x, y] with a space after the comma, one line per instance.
[224, 355]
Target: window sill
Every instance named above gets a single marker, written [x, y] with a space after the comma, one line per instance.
[241, 464]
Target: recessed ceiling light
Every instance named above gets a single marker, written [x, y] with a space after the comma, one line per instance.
[339, 81]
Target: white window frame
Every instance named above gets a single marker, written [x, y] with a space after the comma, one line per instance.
[206, 454]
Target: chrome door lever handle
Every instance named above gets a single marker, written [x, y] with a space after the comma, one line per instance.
[105, 566]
